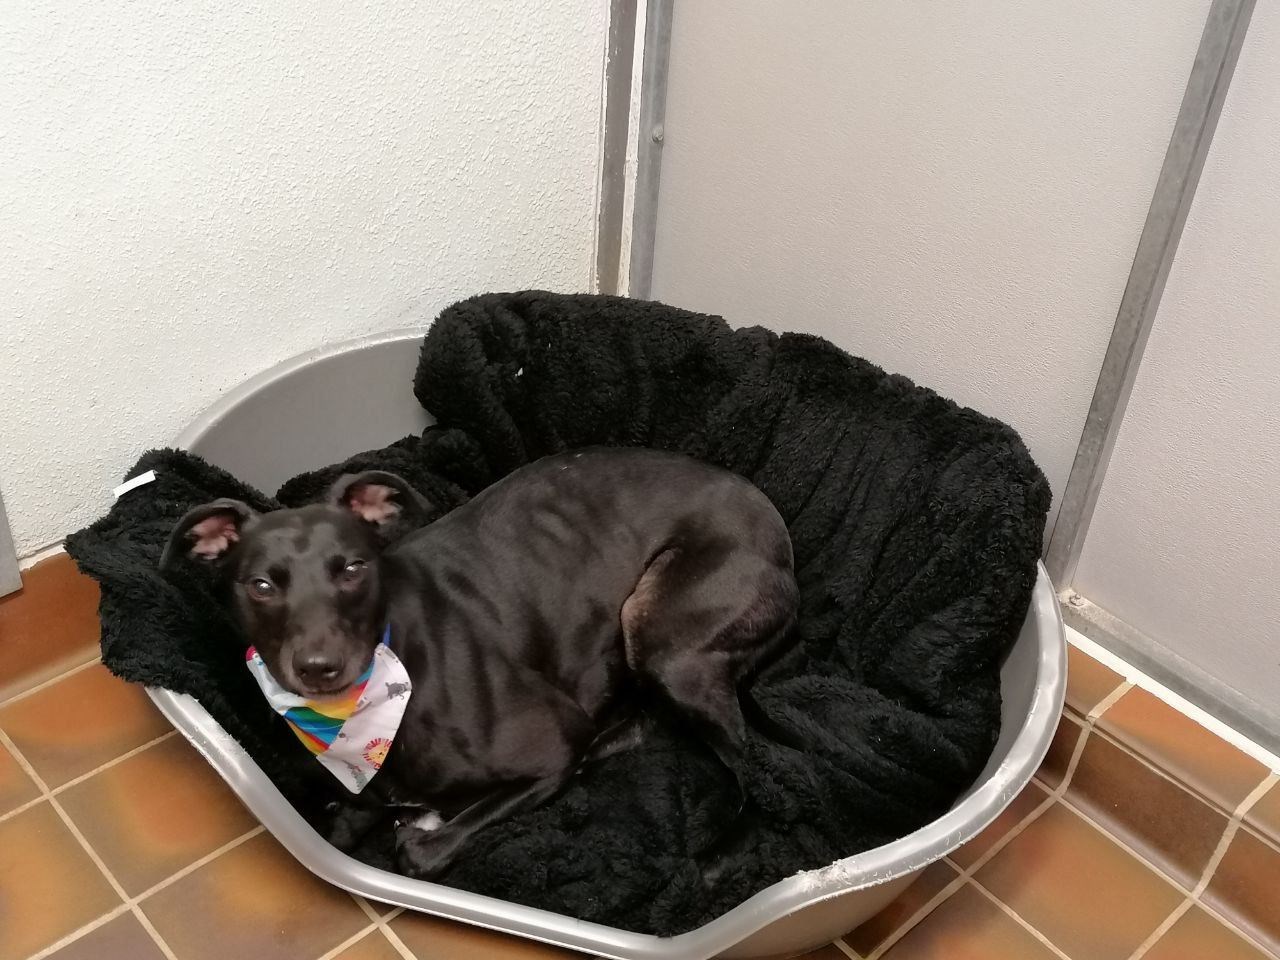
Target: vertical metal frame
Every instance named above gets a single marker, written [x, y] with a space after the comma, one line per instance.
[635, 97]
[615, 126]
[634, 233]
[649, 136]
[1193, 130]
[1220, 43]
[10, 577]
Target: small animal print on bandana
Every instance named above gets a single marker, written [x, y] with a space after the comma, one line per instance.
[375, 751]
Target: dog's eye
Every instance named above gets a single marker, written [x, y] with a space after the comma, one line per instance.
[353, 570]
[262, 588]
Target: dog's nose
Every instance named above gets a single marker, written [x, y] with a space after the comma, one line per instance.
[316, 669]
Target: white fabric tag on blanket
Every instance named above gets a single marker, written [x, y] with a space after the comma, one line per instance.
[141, 480]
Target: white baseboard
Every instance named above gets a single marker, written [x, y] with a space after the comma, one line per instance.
[1180, 703]
[31, 559]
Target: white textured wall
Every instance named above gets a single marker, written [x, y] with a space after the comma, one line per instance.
[191, 192]
[1185, 542]
[953, 190]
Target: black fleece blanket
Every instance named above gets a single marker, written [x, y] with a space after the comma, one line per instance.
[916, 527]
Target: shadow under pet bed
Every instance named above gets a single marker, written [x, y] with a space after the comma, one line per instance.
[916, 526]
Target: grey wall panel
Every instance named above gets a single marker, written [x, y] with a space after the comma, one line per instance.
[1185, 541]
[954, 191]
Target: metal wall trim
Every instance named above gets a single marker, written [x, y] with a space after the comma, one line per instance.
[650, 135]
[10, 575]
[615, 125]
[1215, 62]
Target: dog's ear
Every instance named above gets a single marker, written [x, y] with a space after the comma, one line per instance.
[207, 532]
[382, 499]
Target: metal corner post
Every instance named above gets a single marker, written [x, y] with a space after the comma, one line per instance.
[10, 575]
[615, 124]
[650, 135]
[1215, 62]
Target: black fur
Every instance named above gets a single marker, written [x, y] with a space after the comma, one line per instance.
[530, 621]
[916, 526]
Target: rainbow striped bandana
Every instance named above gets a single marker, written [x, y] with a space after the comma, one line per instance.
[350, 734]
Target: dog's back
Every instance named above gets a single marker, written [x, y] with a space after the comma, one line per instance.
[541, 564]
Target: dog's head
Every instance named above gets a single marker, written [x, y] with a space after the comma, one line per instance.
[307, 583]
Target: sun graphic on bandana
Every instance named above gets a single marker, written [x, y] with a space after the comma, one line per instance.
[375, 751]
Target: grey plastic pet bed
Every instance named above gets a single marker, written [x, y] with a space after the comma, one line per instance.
[930, 661]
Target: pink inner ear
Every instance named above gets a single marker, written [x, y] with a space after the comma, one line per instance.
[372, 502]
[214, 535]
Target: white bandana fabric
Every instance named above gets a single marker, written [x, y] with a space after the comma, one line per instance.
[350, 734]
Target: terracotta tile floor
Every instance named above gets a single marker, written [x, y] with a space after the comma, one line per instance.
[1143, 836]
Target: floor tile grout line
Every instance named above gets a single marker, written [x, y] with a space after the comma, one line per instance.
[1210, 868]
[1224, 843]
[1260, 836]
[112, 914]
[1088, 724]
[1242, 932]
[132, 904]
[964, 876]
[195, 865]
[1010, 835]
[45, 684]
[1228, 835]
[1165, 926]
[111, 878]
[93, 855]
[913, 921]
[148, 926]
[1018, 919]
[1234, 822]
[394, 939]
[1256, 794]
[967, 873]
[23, 808]
[844, 948]
[80, 838]
[1132, 851]
[1165, 773]
[127, 755]
[1171, 698]
[1155, 766]
[51, 796]
[382, 924]
[1052, 797]
[76, 781]
[351, 941]
[366, 907]
[25, 764]
[1191, 897]
[1107, 702]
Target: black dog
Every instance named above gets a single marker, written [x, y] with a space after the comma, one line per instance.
[525, 618]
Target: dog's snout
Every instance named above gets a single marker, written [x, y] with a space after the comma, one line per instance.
[317, 670]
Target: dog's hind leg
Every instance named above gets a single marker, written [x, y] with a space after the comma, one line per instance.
[698, 623]
[625, 733]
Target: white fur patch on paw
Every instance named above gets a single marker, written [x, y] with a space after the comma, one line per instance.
[428, 821]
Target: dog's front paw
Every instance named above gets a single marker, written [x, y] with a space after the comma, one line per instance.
[423, 854]
[349, 825]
